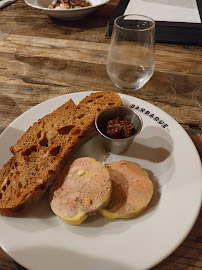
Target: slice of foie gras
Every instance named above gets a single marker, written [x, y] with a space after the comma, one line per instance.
[83, 188]
[132, 190]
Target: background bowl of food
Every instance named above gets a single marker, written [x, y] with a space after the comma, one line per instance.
[66, 9]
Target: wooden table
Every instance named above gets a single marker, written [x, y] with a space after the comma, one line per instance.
[44, 58]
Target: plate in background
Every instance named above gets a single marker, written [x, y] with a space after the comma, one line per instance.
[65, 14]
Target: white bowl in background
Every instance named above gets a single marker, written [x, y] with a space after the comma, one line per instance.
[65, 14]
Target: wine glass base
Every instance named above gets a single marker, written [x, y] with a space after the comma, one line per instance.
[128, 89]
[4, 34]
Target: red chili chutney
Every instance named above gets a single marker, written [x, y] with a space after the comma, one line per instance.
[119, 129]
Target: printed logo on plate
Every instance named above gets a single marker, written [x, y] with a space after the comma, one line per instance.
[156, 118]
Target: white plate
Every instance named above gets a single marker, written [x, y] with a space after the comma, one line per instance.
[65, 14]
[42, 241]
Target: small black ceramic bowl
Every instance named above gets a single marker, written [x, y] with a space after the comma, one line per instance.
[118, 145]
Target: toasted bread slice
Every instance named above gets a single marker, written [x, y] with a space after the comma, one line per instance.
[43, 151]
[131, 190]
[34, 169]
[99, 101]
[47, 128]
[81, 190]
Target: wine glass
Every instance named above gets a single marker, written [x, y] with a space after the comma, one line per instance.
[131, 56]
[4, 34]
[197, 96]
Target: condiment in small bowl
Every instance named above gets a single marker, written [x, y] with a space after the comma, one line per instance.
[118, 126]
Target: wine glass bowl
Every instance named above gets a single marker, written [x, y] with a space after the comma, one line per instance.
[131, 56]
[197, 96]
[4, 34]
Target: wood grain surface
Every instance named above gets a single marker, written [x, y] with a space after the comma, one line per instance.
[44, 58]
